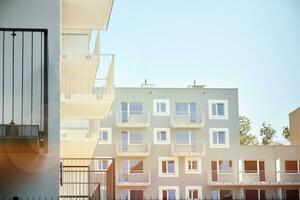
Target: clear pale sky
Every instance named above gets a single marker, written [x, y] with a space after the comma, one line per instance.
[252, 45]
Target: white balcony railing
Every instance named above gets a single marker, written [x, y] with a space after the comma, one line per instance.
[187, 121]
[142, 149]
[139, 120]
[228, 178]
[134, 178]
[196, 149]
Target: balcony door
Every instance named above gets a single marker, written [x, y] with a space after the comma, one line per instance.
[193, 142]
[261, 166]
[124, 113]
[125, 141]
[214, 171]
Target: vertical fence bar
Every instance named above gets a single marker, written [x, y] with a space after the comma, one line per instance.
[31, 83]
[45, 132]
[3, 70]
[13, 78]
[41, 89]
[22, 81]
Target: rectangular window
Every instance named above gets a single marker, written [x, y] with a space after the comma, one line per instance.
[219, 137]
[214, 195]
[218, 109]
[250, 166]
[161, 136]
[168, 167]
[136, 166]
[251, 195]
[136, 138]
[185, 109]
[136, 194]
[226, 195]
[291, 166]
[192, 165]
[105, 136]
[161, 107]
[225, 166]
[103, 164]
[168, 192]
[135, 109]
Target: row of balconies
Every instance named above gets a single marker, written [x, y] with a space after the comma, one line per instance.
[144, 150]
[255, 178]
[143, 120]
[143, 178]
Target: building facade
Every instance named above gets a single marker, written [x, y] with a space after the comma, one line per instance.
[172, 143]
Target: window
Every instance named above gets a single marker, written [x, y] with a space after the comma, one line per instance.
[136, 166]
[219, 138]
[168, 166]
[135, 109]
[226, 195]
[250, 166]
[136, 194]
[103, 164]
[182, 138]
[291, 166]
[218, 109]
[193, 192]
[136, 138]
[221, 195]
[185, 109]
[225, 166]
[105, 136]
[161, 136]
[161, 107]
[192, 165]
[168, 192]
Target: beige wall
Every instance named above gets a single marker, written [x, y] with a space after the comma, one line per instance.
[295, 126]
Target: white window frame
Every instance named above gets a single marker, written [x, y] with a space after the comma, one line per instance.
[212, 145]
[187, 170]
[161, 101]
[168, 136]
[215, 101]
[199, 188]
[109, 136]
[176, 170]
[162, 188]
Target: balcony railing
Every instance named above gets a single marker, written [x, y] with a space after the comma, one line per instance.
[253, 178]
[132, 119]
[196, 149]
[134, 178]
[82, 178]
[24, 90]
[139, 150]
[187, 121]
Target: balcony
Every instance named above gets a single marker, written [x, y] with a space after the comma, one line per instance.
[196, 149]
[126, 120]
[187, 121]
[134, 178]
[24, 93]
[133, 150]
[87, 86]
[219, 179]
[82, 14]
[288, 178]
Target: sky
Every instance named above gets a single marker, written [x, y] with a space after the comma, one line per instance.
[252, 45]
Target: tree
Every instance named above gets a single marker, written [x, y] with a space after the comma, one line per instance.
[267, 133]
[245, 136]
[286, 132]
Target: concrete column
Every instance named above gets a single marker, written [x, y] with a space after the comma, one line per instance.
[279, 193]
[240, 170]
[278, 171]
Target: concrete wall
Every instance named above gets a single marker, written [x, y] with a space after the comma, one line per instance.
[35, 175]
[295, 126]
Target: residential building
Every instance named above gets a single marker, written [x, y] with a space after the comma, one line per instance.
[53, 78]
[172, 143]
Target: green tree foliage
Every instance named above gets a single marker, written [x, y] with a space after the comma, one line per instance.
[267, 133]
[286, 133]
[245, 136]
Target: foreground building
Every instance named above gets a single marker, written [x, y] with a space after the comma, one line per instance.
[172, 143]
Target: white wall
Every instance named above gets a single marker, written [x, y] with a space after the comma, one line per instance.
[35, 175]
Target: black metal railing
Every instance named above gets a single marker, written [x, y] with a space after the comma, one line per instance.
[87, 178]
[24, 84]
